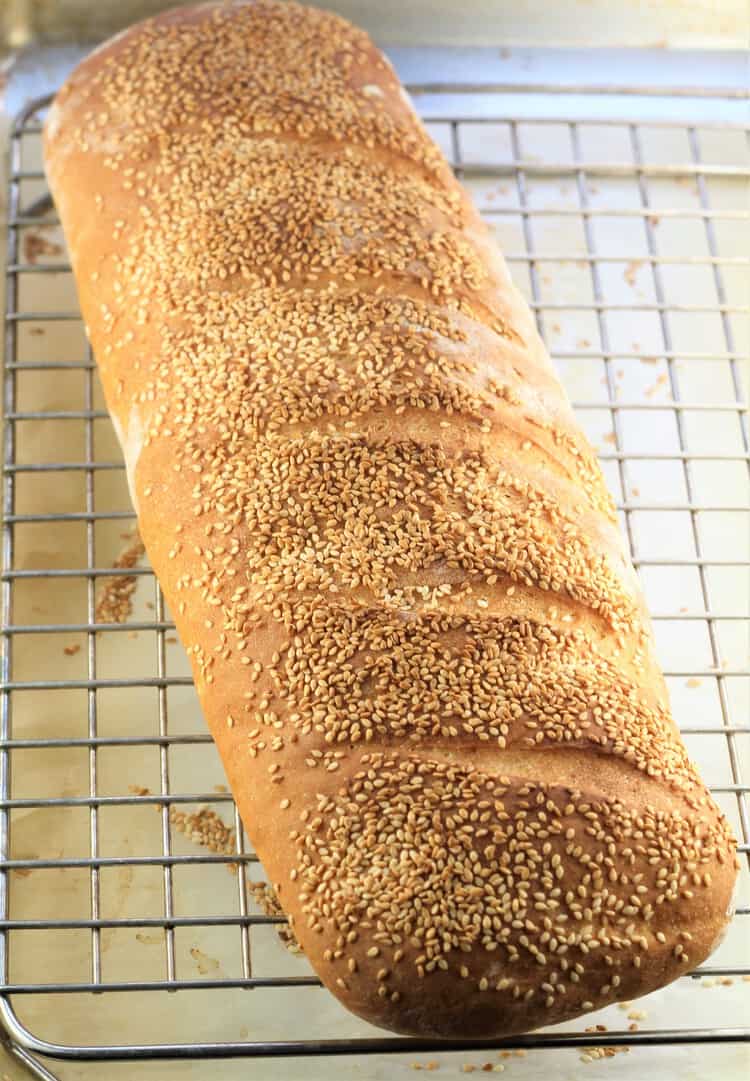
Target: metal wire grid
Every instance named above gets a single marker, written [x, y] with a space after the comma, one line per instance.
[519, 170]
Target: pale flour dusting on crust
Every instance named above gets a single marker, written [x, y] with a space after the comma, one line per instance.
[132, 445]
[406, 97]
[110, 41]
[52, 123]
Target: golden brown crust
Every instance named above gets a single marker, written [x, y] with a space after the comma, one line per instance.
[416, 635]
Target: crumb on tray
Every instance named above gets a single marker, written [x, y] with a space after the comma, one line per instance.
[631, 270]
[149, 940]
[115, 601]
[204, 962]
[592, 1054]
[660, 381]
[34, 245]
[206, 828]
[265, 897]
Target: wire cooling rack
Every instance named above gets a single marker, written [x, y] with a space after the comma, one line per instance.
[629, 238]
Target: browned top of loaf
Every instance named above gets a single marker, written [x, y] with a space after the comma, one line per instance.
[415, 632]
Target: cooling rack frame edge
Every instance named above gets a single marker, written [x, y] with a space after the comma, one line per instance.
[17, 1037]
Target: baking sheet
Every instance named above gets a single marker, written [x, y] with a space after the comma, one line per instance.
[639, 375]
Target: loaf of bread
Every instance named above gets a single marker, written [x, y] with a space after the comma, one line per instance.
[414, 628]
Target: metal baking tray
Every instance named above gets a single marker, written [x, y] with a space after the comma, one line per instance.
[622, 211]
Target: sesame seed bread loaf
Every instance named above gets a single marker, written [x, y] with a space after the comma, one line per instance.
[414, 628]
